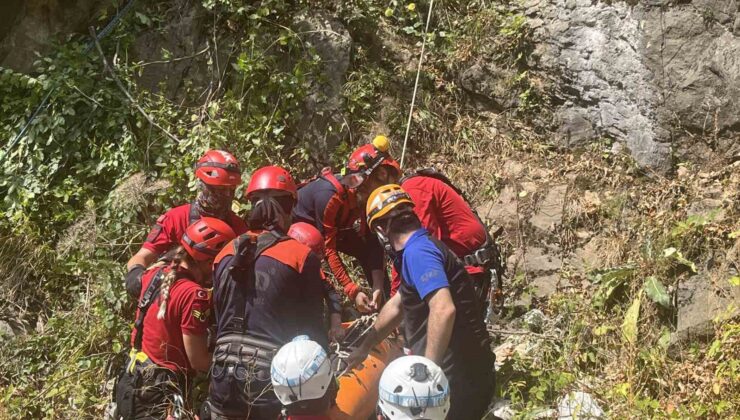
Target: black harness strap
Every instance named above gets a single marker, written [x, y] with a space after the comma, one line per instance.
[247, 248]
[151, 293]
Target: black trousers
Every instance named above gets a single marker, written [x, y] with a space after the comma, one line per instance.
[149, 392]
[471, 387]
[239, 394]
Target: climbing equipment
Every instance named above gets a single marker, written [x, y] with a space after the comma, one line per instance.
[140, 371]
[301, 370]
[219, 168]
[271, 178]
[413, 387]
[365, 159]
[308, 235]
[384, 200]
[205, 238]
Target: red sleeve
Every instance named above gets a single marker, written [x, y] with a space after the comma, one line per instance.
[331, 231]
[196, 304]
[163, 235]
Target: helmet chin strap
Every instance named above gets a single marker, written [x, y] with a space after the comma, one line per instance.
[384, 239]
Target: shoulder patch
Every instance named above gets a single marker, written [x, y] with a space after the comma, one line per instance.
[201, 316]
[154, 233]
[289, 252]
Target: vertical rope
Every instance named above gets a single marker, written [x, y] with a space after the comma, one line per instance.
[416, 84]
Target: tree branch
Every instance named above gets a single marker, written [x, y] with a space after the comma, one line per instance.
[125, 91]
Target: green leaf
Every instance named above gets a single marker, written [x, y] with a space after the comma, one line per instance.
[735, 280]
[665, 339]
[657, 292]
[629, 326]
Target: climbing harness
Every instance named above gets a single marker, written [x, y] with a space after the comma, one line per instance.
[352, 338]
[45, 101]
[416, 83]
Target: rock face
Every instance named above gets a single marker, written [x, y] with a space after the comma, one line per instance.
[642, 75]
[699, 303]
[28, 26]
[322, 121]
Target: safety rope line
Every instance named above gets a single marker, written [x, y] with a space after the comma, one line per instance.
[416, 84]
[90, 45]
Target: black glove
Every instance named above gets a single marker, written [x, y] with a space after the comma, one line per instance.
[133, 280]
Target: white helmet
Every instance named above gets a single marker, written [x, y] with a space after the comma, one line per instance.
[413, 387]
[300, 371]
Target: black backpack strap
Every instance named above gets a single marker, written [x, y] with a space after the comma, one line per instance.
[151, 293]
[247, 248]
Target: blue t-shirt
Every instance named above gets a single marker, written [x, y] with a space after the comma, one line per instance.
[422, 264]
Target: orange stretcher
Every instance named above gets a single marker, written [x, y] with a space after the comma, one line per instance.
[358, 388]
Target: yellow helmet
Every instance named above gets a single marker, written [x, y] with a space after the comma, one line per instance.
[383, 200]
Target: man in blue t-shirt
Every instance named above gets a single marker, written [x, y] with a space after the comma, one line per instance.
[437, 302]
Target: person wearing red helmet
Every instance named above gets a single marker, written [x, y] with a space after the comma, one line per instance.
[219, 175]
[330, 204]
[442, 209]
[169, 340]
[267, 289]
[311, 237]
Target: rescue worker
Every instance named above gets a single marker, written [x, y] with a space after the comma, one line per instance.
[442, 210]
[267, 289]
[169, 341]
[311, 237]
[219, 175]
[328, 204]
[413, 387]
[436, 301]
[303, 380]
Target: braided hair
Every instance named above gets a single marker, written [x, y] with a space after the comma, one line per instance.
[176, 257]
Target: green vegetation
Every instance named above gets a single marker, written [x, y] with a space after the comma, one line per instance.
[94, 171]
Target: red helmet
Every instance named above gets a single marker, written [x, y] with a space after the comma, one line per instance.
[220, 168]
[366, 158]
[204, 239]
[271, 178]
[308, 235]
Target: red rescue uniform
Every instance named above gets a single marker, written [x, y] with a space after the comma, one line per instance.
[446, 216]
[170, 227]
[188, 313]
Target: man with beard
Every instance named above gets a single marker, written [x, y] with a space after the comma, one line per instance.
[436, 301]
[219, 175]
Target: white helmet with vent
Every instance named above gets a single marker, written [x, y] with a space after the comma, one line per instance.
[413, 387]
[300, 371]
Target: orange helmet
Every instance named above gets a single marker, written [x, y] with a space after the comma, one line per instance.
[308, 235]
[219, 168]
[204, 239]
[271, 178]
[366, 158]
[385, 200]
